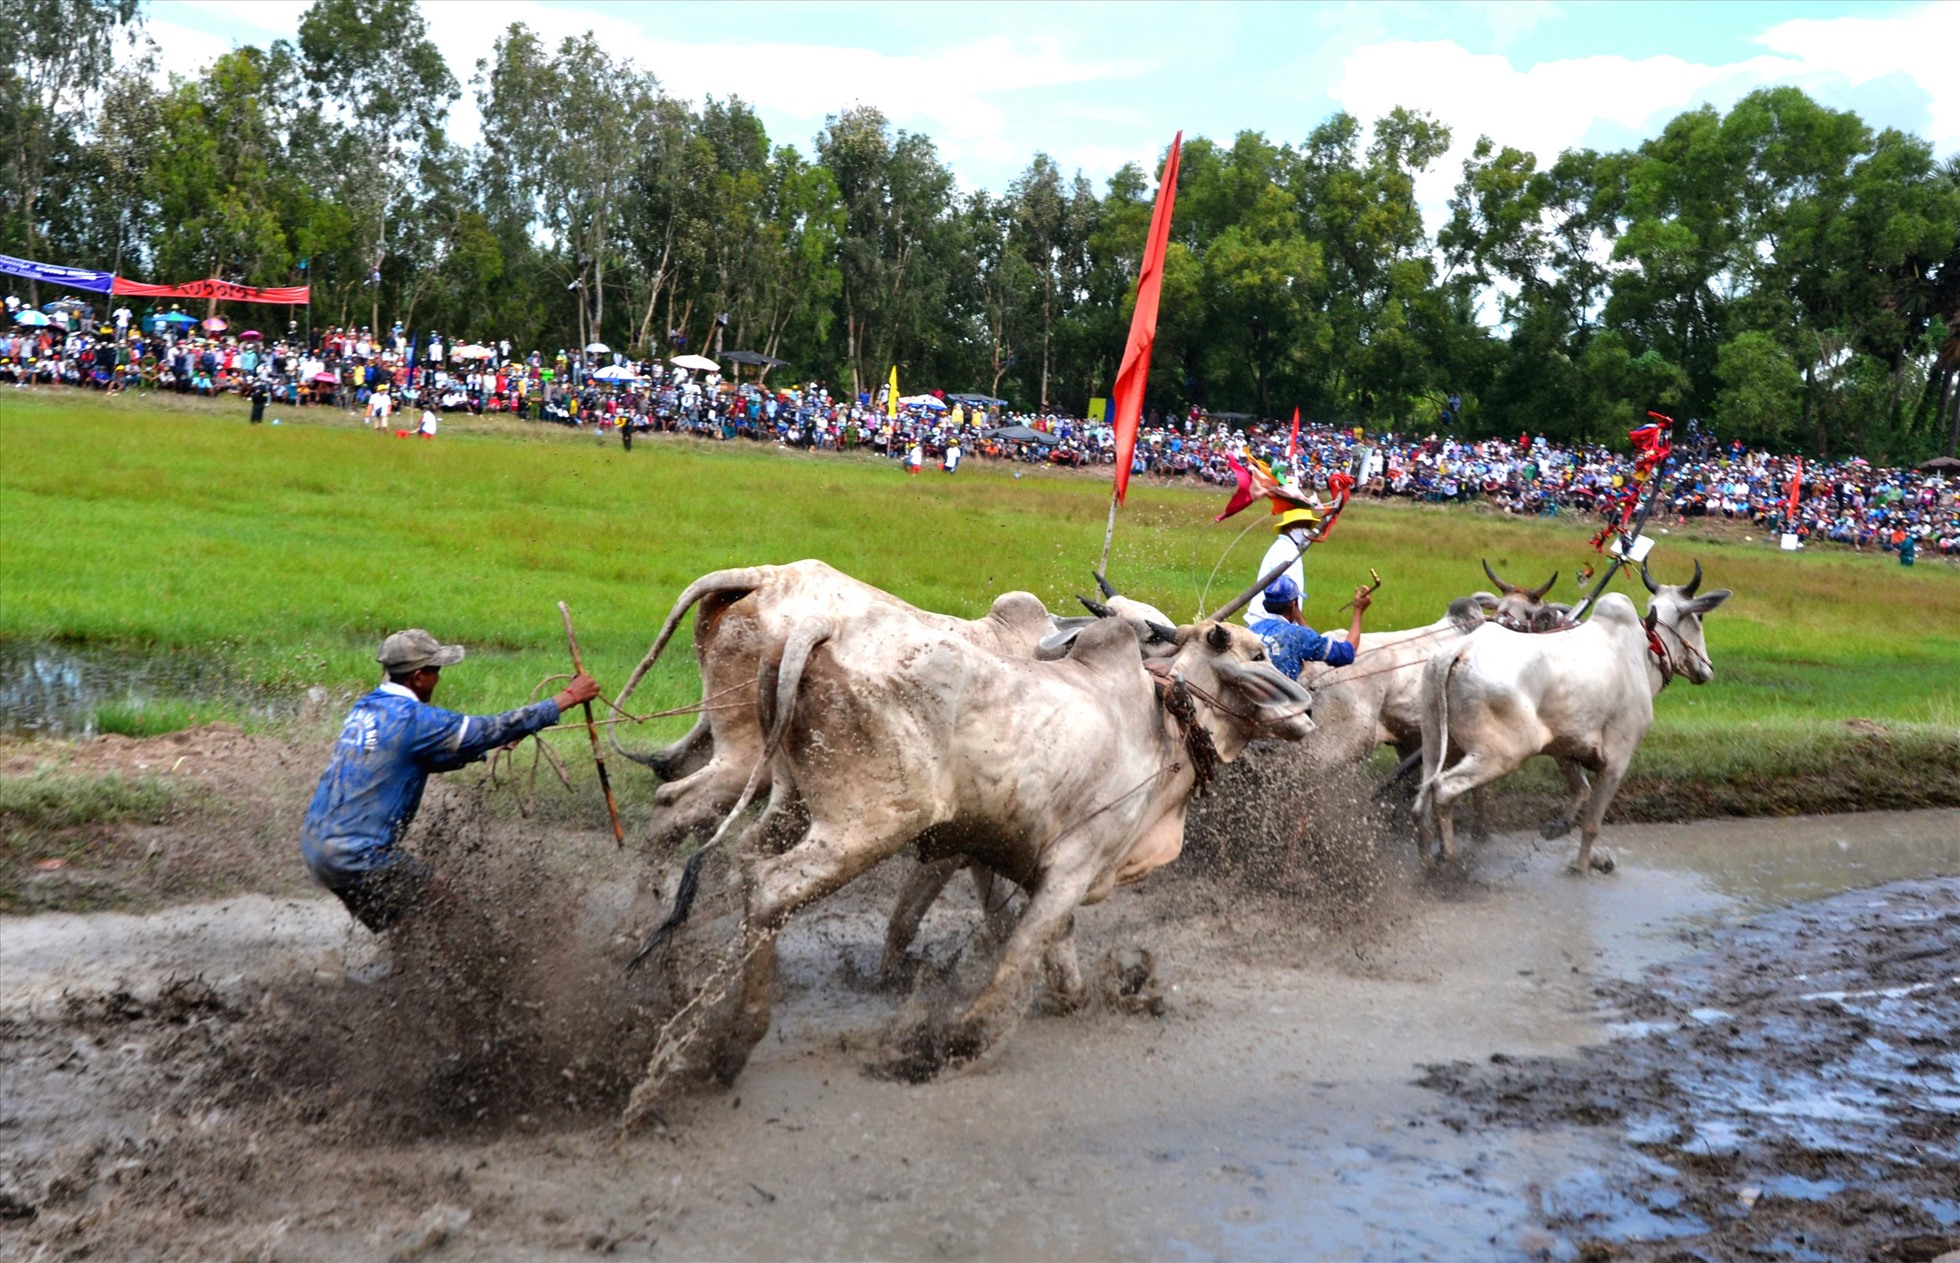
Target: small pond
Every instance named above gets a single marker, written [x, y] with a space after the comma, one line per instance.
[55, 690]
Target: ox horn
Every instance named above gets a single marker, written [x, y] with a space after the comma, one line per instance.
[1161, 632]
[1104, 584]
[1219, 638]
[1094, 607]
[1538, 594]
[1648, 579]
[1503, 587]
[1694, 582]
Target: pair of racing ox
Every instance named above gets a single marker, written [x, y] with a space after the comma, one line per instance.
[1057, 754]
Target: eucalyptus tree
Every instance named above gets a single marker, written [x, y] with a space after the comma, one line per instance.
[561, 127]
[58, 55]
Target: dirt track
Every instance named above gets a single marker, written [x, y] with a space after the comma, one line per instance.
[1273, 1110]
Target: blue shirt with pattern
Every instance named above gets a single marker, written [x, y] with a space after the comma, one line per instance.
[1291, 646]
[389, 745]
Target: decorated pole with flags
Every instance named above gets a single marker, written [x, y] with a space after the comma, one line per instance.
[1257, 482]
[1127, 397]
[1651, 447]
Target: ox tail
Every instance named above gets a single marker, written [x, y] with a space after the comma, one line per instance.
[774, 705]
[1433, 754]
[730, 584]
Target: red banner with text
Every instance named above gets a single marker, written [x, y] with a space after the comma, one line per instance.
[224, 291]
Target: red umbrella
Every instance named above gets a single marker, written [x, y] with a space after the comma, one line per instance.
[250, 335]
[215, 324]
[326, 377]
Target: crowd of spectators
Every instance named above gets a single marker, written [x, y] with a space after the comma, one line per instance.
[1847, 501]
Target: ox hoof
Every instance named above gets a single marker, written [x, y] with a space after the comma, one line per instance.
[929, 1050]
[1552, 830]
[1601, 862]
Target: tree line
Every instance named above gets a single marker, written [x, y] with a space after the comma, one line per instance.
[1782, 271]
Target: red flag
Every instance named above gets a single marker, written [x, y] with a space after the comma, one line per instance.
[1293, 444]
[1130, 378]
[1796, 487]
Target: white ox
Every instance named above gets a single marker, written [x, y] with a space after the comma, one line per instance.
[1583, 696]
[1068, 777]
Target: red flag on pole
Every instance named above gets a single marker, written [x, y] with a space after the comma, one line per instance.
[1293, 444]
[1796, 488]
[1130, 378]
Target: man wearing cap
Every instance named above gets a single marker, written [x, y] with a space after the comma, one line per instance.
[1290, 643]
[392, 740]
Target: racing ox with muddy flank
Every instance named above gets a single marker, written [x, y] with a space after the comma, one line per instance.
[1584, 696]
[749, 614]
[1068, 777]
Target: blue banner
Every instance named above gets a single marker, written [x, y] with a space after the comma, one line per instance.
[52, 274]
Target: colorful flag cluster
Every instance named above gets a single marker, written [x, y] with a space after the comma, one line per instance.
[1256, 481]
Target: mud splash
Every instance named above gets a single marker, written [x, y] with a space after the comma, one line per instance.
[1267, 1109]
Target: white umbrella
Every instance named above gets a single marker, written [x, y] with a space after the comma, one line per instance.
[471, 352]
[922, 401]
[597, 348]
[700, 362]
[615, 374]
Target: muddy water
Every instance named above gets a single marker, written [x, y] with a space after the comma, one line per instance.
[53, 690]
[1272, 1112]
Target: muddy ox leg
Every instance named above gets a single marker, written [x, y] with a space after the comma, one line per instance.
[1063, 971]
[1575, 779]
[994, 1012]
[825, 860]
[699, 800]
[1453, 782]
[1588, 858]
[921, 889]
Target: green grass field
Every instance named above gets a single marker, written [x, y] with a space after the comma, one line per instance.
[287, 553]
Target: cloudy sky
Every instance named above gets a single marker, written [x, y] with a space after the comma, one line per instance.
[1097, 85]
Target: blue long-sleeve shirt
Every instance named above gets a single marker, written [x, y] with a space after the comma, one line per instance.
[389, 745]
[1291, 646]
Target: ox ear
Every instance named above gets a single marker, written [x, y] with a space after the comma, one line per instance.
[1219, 638]
[1487, 602]
[1708, 601]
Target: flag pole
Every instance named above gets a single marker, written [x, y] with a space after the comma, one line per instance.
[1109, 533]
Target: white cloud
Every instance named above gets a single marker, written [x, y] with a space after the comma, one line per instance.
[1557, 104]
[1923, 44]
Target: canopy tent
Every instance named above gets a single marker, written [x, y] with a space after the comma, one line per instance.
[700, 362]
[1023, 434]
[1941, 465]
[755, 359]
[983, 401]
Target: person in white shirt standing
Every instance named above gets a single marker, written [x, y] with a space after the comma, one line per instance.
[1291, 531]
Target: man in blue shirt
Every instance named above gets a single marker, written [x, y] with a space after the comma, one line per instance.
[392, 740]
[1290, 643]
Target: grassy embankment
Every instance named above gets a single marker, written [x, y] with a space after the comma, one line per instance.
[287, 552]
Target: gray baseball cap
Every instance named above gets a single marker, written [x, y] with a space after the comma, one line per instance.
[414, 649]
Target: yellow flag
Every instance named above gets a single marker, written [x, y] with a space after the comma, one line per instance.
[891, 400]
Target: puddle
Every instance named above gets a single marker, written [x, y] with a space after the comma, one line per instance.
[49, 690]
